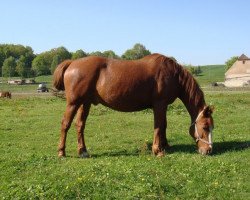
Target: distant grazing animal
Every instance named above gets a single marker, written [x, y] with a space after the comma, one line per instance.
[5, 94]
[154, 81]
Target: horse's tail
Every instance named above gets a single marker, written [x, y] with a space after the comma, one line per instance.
[59, 74]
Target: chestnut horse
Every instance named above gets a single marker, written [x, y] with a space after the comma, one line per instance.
[5, 94]
[154, 81]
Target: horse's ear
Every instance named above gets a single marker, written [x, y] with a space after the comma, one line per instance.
[208, 110]
[212, 108]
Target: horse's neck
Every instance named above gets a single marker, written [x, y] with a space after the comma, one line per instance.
[192, 107]
[191, 95]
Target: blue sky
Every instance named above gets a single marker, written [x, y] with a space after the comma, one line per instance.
[195, 32]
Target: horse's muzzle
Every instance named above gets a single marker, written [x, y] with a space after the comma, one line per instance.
[205, 151]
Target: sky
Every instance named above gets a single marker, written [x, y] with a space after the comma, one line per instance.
[197, 32]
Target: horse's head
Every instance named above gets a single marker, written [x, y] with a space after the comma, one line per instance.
[201, 130]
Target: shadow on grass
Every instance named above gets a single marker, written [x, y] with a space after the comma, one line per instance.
[223, 147]
[218, 148]
[116, 154]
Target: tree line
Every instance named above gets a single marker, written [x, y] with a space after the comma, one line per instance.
[20, 61]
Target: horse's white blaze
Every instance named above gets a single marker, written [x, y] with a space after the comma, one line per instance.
[210, 137]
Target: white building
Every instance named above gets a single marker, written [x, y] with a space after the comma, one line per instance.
[239, 74]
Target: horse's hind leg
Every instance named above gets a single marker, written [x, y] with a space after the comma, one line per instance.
[66, 122]
[82, 115]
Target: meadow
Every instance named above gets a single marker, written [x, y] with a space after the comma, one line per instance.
[121, 165]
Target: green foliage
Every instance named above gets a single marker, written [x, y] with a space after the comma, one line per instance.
[9, 66]
[110, 54]
[137, 52]
[18, 52]
[41, 64]
[194, 70]
[96, 53]
[121, 166]
[78, 54]
[107, 54]
[22, 67]
[56, 60]
[231, 61]
[46, 62]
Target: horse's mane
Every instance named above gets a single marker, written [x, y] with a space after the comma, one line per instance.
[189, 86]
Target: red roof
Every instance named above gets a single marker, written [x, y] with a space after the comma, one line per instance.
[243, 57]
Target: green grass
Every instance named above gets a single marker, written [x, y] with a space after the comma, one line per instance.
[210, 74]
[121, 166]
[25, 88]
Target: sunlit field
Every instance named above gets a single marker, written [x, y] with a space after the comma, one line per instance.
[121, 165]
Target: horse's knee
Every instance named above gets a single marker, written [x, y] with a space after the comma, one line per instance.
[65, 125]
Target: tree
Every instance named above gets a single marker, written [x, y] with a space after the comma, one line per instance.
[56, 60]
[21, 67]
[194, 70]
[58, 55]
[137, 52]
[9, 66]
[62, 52]
[96, 53]
[2, 58]
[16, 51]
[78, 54]
[41, 65]
[110, 54]
[230, 62]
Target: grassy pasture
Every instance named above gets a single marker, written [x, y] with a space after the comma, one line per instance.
[121, 166]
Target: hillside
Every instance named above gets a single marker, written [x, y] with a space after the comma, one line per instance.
[210, 74]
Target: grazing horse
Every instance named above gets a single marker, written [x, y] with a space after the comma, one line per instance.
[5, 94]
[154, 81]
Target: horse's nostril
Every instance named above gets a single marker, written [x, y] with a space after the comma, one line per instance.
[209, 151]
[204, 151]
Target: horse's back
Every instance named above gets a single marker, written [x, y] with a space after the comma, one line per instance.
[119, 84]
[126, 85]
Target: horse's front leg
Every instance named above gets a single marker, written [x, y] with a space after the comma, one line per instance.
[160, 124]
[82, 115]
[66, 122]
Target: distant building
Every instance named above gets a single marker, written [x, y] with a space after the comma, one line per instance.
[16, 82]
[239, 74]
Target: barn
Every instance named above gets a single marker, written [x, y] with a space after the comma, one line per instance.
[239, 74]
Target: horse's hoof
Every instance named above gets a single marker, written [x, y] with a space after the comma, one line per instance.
[157, 151]
[160, 154]
[84, 155]
[61, 154]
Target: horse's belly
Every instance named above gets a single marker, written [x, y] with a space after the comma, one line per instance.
[127, 99]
